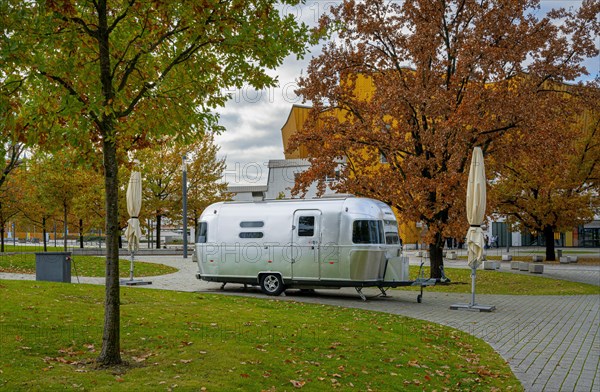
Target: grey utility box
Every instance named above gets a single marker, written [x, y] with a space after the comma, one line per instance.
[53, 266]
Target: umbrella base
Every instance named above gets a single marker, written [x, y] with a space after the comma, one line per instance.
[134, 282]
[473, 308]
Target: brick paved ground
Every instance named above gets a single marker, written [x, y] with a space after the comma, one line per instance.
[552, 343]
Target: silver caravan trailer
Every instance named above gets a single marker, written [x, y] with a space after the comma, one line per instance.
[302, 243]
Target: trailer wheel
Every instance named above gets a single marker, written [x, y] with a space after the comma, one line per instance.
[271, 284]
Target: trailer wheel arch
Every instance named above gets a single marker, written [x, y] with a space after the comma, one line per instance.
[271, 283]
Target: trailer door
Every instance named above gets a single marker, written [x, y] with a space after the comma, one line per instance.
[306, 234]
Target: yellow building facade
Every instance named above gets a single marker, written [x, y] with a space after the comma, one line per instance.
[409, 232]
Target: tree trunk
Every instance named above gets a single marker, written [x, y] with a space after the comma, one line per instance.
[2, 238]
[549, 235]
[81, 233]
[111, 339]
[44, 234]
[158, 216]
[111, 345]
[436, 257]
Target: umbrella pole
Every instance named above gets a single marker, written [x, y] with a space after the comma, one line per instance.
[473, 272]
[131, 266]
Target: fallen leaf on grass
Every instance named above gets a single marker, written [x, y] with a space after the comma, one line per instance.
[297, 384]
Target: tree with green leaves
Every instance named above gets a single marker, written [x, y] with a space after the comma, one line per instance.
[55, 182]
[119, 76]
[9, 196]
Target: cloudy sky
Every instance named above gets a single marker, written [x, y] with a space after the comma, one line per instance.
[253, 119]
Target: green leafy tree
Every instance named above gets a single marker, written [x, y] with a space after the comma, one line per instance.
[56, 182]
[32, 204]
[10, 193]
[118, 76]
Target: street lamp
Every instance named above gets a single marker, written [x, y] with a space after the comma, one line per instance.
[184, 187]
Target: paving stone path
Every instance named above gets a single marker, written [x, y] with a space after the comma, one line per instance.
[552, 343]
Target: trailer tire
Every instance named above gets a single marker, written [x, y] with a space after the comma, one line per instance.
[271, 284]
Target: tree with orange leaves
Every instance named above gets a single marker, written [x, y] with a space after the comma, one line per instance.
[441, 77]
[547, 187]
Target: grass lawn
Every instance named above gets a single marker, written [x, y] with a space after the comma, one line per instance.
[24, 263]
[497, 282]
[51, 333]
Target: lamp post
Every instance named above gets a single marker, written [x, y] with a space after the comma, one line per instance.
[507, 237]
[184, 187]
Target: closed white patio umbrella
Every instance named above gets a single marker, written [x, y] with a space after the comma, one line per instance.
[476, 203]
[133, 233]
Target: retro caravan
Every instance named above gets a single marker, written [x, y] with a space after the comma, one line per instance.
[301, 243]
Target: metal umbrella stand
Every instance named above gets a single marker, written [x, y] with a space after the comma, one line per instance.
[133, 232]
[476, 201]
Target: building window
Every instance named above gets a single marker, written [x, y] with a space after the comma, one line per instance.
[251, 234]
[334, 176]
[306, 226]
[252, 224]
[367, 232]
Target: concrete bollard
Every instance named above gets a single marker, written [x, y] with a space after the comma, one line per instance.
[537, 258]
[514, 265]
[489, 265]
[506, 257]
[572, 259]
[524, 266]
[564, 260]
[452, 255]
[536, 268]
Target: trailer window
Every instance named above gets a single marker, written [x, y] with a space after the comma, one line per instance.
[306, 226]
[202, 229]
[252, 224]
[251, 234]
[367, 232]
[392, 238]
